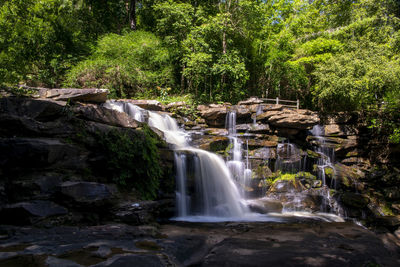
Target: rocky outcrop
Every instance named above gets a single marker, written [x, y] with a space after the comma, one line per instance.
[147, 104]
[87, 193]
[84, 95]
[107, 116]
[213, 114]
[54, 154]
[290, 118]
[27, 212]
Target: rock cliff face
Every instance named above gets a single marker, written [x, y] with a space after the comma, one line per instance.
[279, 138]
[54, 168]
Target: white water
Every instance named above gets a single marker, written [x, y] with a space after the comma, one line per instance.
[288, 158]
[326, 160]
[240, 171]
[206, 190]
[213, 193]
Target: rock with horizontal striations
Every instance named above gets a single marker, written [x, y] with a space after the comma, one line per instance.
[251, 101]
[214, 114]
[257, 143]
[25, 212]
[37, 109]
[87, 192]
[147, 104]
[38, 152]
[84, 95]
[290, 118]
[104, 115]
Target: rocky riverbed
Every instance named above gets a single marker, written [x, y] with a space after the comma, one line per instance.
[60, 185]
[300, 243]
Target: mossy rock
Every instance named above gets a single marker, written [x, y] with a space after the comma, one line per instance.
[313, 154]
[329, 172]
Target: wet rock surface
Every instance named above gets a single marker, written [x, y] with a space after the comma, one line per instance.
[301, 243]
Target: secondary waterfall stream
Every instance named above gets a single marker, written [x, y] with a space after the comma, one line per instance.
[207, 187]
[213, 192]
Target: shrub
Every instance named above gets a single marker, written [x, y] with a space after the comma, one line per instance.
[127, 64]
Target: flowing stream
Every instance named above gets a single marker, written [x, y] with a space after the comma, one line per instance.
[207, 188]
[213, 193]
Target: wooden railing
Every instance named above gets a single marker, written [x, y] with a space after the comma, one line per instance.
[285, 103]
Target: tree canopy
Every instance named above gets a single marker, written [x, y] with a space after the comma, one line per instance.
[332, 55]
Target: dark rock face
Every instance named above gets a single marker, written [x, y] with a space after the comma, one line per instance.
[38, 152]
[87, 192]
[26, 212]
[107, 116]
[54, 152]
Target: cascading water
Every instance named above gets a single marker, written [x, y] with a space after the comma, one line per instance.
[327, 153]
[325, 161]
[213, 193]
[205, 188]
[288, 158]
[240, 172]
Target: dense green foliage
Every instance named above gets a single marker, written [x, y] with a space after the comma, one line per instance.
[130, 64]
[133, 160]
[332, 55]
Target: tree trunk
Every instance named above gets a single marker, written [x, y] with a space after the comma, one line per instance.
[132, 15]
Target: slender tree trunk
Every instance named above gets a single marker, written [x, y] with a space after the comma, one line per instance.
[132, 15]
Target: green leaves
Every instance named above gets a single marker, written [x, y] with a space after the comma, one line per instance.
[126, 64]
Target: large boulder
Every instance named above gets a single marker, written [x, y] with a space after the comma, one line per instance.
[40, 110]
[265, 205]
[290, 118]
[214, 114]
[84, 95]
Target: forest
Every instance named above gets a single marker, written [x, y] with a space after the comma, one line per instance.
[332, 55]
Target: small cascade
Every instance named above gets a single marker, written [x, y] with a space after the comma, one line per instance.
[240, 171]
[258, 112]
[213, 192]
[288, 159]
[210, 189]
[327, 153]
[324, 162]
[133, 111]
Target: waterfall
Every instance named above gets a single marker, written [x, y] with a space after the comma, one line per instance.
[326, 160]
[288, 158]
[327, 153]
[240, 171]
[213, 193]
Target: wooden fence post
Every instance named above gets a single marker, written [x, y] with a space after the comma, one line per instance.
[277, 100]
[298, 104]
